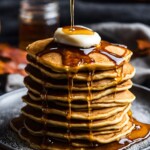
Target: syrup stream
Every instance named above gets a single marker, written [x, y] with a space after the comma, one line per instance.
[72, 14]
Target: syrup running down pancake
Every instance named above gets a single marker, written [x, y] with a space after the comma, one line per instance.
[78, 97]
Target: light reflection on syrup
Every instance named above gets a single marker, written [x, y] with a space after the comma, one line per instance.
[87, 50]
[120, 45]
[77, 30]
[139, 134]
[123, 141]
[117, 60]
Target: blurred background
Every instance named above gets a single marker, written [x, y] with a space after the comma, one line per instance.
[86, 12]
[126, 22]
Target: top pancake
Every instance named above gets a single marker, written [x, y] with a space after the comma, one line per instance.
[100, 60]
[126, 69]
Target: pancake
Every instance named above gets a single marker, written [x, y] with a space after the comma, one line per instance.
[61, 121]
[37, 128]
[53, 60]
[78, 86]
[55, 132]
[110, 100]
[63, 95]
[127, 70]
[81, 114]
[117, 126]
[75, 105]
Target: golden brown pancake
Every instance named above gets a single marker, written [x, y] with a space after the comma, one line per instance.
[104, 102]
[81, 114]
[53, 60]
[63, 95]
[77, 85]
[127, 70]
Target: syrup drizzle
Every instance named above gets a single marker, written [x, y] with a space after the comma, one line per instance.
[89, 99]
[117, 59]
[44, 116]
[71, 56]
[70, 87]
[74, 56]
[45, 140]
[118, 79]
[72, 14]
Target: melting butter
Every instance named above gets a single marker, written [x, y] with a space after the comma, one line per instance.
[79, 37]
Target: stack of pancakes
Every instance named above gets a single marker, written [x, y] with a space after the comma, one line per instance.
[84, 105]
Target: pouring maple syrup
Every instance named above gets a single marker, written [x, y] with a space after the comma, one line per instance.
[72, 14]
[75, 30]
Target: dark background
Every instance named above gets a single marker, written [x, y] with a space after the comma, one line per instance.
[86, 12]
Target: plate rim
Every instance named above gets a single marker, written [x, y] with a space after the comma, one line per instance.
[141, 87]
[13, 92]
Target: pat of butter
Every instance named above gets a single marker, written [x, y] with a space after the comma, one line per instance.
[78, 37]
